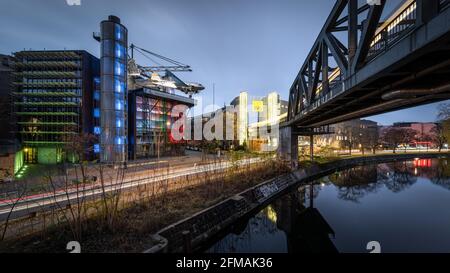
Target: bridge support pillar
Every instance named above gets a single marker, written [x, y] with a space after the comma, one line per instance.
[311, 147]
[288, 148]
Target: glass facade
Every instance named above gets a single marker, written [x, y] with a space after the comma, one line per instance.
[150, 132]
[113, 111]
[51, 88]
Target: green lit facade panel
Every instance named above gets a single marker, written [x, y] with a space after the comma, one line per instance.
[18, 161]
[49, 155]
[46, 94]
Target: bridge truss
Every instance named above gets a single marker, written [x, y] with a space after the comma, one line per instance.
[354, 35]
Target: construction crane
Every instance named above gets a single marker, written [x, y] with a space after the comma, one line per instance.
[148, 76]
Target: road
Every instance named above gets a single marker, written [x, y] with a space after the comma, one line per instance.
[60, 198]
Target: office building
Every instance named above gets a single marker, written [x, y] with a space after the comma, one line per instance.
[241, 104]
[271, 111]
[150, 120]
[53, 102]
[11, 160]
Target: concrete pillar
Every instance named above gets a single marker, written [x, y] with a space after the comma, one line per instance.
[288, 148]
[311, 147]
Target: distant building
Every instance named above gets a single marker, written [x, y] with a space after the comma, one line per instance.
[358, 134]
[269, 110]
[425, 133]
[229, 137]
[53, 101]
[423, 129]
[241, 104]
[273, 112]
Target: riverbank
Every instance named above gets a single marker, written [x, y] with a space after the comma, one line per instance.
[145, 211]
[191, 234]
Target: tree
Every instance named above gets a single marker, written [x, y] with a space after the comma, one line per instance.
[350, 135]
[370, 138]
[428, 138]
[439, 136]
[444, 111]
[80, 146]
[396, 136]
[442, 131]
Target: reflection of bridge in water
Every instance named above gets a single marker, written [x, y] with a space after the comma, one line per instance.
[306, 229]
[293, 223]
[370, 60]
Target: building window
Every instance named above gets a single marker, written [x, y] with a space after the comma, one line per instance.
[119, 68]
[96, 148]
[118, 32]
[97, 130]
[120, 140]
[120, 51]
[119, 123]
[119, 86]
[96, 95]
[97, 113]
[119, 104]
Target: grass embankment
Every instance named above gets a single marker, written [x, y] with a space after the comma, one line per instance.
[142, 213]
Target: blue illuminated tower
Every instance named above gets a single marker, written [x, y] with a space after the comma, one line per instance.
[113, 106]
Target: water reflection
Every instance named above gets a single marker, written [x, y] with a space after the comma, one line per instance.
[403, 205]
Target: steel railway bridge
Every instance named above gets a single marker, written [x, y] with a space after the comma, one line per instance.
[366, 62]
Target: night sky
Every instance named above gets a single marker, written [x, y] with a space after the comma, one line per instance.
[239, 45]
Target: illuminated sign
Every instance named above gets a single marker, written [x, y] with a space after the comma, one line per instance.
[257, 106]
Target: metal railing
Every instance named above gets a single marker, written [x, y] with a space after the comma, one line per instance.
[444, 4]
[394, 31]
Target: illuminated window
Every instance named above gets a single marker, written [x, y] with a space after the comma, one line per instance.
[118, 32]
[119, 86]
[120, 140]
[120, 51]
[96, 113]
[97, 130]
[119, 68]
[119, 104]
[96, 95]
[96, 148]
[119, 123]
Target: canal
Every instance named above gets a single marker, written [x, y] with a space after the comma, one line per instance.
[403, 206]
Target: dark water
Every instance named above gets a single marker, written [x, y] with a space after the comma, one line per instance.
[404, 206]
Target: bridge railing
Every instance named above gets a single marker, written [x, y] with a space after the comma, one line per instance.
[336, 87]
[394, 31]
[444, 4]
